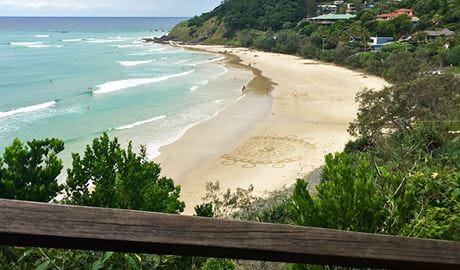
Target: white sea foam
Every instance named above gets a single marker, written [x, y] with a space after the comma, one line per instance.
[183, 61]
[153, 150]
[225, 70]
[160, 49]
[28, 109]
[218, 101]
[212, 60]
[93, 40]
[25, 44]
[203, 82]
[72, 40]
[122, 38]
[194, 88]
[134, 63]
[42, 36]
[140, 123]
[34, 45]
[109, 87]
[240, 98]
[126, 46]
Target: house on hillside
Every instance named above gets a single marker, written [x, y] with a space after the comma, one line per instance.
[378, 42]
[329, 19]
[351, 8]
[327, 9]
[399, 12]
[441, 33]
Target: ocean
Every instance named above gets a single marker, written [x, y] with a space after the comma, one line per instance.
[75, 78]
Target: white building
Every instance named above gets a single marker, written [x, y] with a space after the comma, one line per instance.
[327, 9]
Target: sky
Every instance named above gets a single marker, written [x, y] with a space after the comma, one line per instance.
[134, 8]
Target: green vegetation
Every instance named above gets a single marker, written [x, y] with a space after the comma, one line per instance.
[456, 70]
[400, 176]
[106, 176]
[29, 172]
[120, 178]
[279, 26]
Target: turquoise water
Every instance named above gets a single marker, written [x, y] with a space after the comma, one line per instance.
[75, 78]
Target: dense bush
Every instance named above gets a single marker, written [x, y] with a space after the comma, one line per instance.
[107, 176]
[29, 172]
[453, 56]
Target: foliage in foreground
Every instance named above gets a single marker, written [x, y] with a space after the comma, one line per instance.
[106, 176]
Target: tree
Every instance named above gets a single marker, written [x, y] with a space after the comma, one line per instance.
[453, 56]
[434, 98]
[346, 199]
[109, 176]
[29, 171]
[312, 7]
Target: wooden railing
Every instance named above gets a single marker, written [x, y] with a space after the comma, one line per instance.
[76, 227]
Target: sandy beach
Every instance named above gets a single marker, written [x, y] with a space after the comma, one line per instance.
[293, 113]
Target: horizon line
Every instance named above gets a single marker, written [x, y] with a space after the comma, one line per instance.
[82, 16]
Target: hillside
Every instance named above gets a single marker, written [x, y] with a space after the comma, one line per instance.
[282, 27]
[230, 22]
[226, 21]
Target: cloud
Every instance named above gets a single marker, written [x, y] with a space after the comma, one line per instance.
[105, 7]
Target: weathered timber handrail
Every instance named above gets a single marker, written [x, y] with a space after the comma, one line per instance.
[76, 227]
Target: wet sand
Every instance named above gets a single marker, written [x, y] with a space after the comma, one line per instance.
[293, 113]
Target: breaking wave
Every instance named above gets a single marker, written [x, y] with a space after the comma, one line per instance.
[28, 109]
[140, 123]
[113, 86]
[134, 63]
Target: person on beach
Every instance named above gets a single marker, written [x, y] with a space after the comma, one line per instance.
[243, 89]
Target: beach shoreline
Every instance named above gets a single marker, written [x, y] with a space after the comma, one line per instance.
[268, 140]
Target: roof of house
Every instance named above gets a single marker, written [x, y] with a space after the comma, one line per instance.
[395, 13]
[333, 17]
[443, 32]
[404, 10]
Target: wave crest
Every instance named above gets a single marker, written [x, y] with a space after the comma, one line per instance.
[72, 40]
[134, 63]
[140, 123]
[34, 45]
[212, 60]
[28, 109]
[113, 86]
